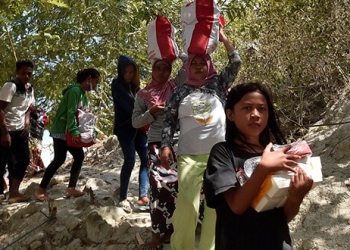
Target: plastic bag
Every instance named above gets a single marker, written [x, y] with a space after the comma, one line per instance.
[86, 124]
[161, 40]
[200, 22]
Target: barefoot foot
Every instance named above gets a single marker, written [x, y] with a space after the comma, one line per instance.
[40, 195]
[71, 191]
[143, 201]
[17, 198]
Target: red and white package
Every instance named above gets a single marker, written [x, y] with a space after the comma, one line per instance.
[161, 40]
[200, 22]
[300, 148]
[85, 122]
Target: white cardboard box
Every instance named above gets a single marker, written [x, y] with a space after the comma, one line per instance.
[274, 190]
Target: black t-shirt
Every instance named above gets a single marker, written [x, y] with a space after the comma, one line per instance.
[252, 230]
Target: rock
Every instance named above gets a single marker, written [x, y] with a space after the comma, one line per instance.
[75, 244]
[111, 143]
[103, 222]
[35, 245]
[94, 183]
[72, 222]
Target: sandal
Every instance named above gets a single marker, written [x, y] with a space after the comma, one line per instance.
[143, 208]
[125, 205]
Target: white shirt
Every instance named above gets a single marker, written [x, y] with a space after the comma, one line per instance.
[18, 104]
[202, 123]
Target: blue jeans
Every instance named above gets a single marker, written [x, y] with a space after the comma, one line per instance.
[139, 145]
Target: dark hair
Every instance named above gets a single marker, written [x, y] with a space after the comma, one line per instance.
[235, 95]
[24, 63]
[85, 73]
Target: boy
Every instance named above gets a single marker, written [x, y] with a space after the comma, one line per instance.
[16, 96]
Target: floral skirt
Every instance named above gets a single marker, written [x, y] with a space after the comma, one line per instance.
[163, 191]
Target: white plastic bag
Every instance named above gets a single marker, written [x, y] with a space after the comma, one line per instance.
[200, 22]
[161, 40]
[86, 123]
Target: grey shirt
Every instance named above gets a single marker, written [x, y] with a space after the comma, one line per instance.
[141, 115]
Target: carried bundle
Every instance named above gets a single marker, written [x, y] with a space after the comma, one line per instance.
[274, 190]
[86, 123]
[200, 21]
[161, 40]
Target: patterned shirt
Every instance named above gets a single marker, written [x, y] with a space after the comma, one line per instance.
[199, 139]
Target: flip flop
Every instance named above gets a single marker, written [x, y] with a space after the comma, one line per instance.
[125, 205]
[142, 207]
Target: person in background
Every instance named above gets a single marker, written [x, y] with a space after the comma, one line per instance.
[16, 96]
[250, 120]
[131, 140]
[74, 97]
[198, 108]
[38, 121]
[149, 109]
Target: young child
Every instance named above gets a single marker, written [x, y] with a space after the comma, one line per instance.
[250, 119]
[198, 108]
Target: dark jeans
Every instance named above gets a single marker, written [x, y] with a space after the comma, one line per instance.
[60, 153]
[15, 157]
[129, 148]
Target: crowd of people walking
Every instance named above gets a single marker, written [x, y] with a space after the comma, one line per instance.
[191, 133]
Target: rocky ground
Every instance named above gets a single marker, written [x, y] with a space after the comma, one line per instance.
[94, 222]
[89, 222]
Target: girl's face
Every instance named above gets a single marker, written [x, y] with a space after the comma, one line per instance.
[198, 68]
[94, 82]
[161, 72]
[250, 115]
[129, 73]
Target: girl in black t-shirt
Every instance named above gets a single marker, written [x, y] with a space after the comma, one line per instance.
[250, 120]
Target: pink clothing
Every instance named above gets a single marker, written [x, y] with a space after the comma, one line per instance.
[155, 92]
[210, 74]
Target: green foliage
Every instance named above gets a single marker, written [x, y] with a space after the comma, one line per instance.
[299, 48]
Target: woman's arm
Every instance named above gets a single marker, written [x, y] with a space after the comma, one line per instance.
[169, 125]
[241, 198]
[141, 115]
[229, 74]
[181, 76]
[222, 38]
